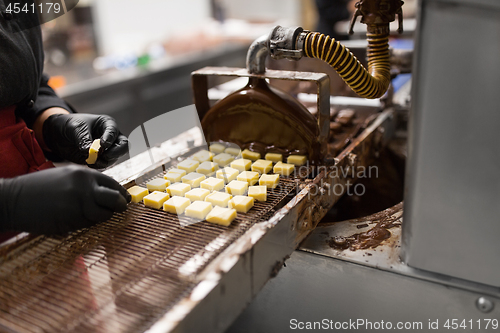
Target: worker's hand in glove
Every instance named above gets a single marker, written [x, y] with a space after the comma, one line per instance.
[59, 200]
[71, 135]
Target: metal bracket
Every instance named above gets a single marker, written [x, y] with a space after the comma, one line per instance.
[286, 54]
[200, 87]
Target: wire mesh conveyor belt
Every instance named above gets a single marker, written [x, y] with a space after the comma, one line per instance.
[118, 276]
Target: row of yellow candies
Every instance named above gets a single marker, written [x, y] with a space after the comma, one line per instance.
[203, 210]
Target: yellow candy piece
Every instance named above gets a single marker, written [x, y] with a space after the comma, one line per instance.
[179, 171]
[222, 216]
[197, 194]
[297, 160]
[233, 151]
[217, 148]
[179, 189]
[93, 151]
[155, 199]
[138, 193]
[158, 184]
[212, 184]
[270, 181]
[241, 164]
[227, 174]
[176, 205]
[262, 166]
[250, 177]
[194, 179]
[283, 169]
[207, 168]
[173, 177]
[219, 199]
[198, 209]
[202, 156]
[241, 203]
[237, 187]
[223, 159]
[259, 193]
[188, 165]
[274, 157]
[250, 155]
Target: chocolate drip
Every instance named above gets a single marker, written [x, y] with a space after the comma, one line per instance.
[263, 119]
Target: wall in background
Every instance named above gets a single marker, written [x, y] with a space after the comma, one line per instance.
[130, 26]
[264, 10]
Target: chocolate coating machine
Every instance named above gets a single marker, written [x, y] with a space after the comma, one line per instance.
[144, 271]
[143, 267]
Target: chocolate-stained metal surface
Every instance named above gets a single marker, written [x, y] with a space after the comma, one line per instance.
[120, 275]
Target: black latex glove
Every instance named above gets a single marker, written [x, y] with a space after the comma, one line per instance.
[71, 135]
[59, 200]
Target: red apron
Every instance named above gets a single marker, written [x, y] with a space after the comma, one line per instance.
[20, 153]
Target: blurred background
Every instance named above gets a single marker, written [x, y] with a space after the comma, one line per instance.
[132, 60]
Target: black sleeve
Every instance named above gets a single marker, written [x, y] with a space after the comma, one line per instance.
[46, 98]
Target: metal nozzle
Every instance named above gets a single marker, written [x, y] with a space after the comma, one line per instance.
[280, 44]
[377, 13]
[257, 54]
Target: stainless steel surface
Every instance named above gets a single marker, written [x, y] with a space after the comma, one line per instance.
[451, 208]
[365, 285]
[312, 288]
[492, 4]
[384, 256]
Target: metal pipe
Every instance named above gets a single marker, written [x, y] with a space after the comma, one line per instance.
[257, 54]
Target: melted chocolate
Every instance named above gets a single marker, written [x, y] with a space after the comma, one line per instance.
[364, 240]
[263, 119]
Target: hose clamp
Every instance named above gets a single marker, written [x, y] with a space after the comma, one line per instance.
[284, 43]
